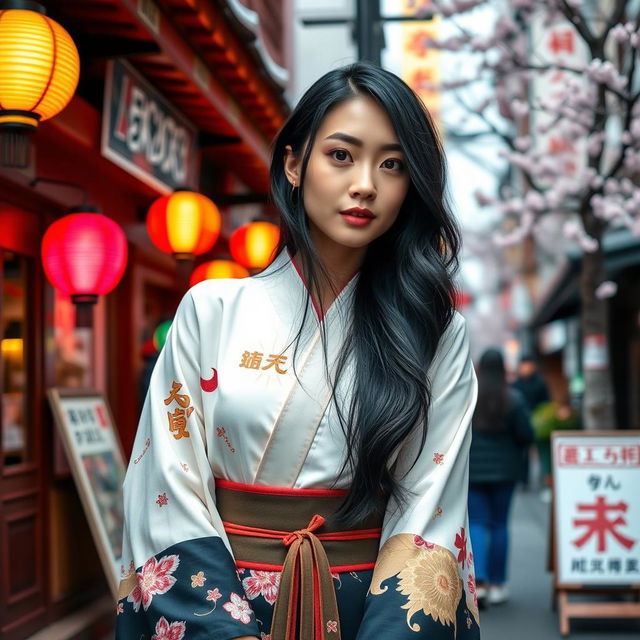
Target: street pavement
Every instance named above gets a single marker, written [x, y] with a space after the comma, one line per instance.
[528, 615]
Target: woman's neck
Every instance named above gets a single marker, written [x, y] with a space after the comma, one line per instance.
[341, 265]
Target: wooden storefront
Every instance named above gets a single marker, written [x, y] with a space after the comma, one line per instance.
[223, 70]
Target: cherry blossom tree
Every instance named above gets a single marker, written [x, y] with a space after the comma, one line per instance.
[564, 106]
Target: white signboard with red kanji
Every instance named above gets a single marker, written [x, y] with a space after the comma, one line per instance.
[596, 481]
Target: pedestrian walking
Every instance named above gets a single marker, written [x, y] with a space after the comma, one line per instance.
[501, 428]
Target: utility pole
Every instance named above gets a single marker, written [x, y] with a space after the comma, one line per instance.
[367, 27]
[368, 32]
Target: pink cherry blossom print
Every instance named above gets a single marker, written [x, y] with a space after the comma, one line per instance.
[162, 500]
[169, 631]
[419, 541]
[119, 609]
[332, 626]
[471, 583]
[153, 579]
[238, 608]
[262, 583]
[461, 543]
[214, 594]
[438, 458]
[265, 636]
[198, 580]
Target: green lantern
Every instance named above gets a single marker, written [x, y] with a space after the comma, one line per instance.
[160, 334]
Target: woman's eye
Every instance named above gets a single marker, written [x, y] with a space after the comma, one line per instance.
[340, 155]
[393, 164]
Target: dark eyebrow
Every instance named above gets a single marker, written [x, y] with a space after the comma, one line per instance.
[356, 142]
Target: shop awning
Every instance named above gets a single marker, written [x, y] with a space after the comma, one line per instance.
[562, 299]
[194, 53]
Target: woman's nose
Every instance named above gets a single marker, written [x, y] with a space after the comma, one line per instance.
[363, 185]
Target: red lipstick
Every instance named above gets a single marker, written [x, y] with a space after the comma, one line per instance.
[357, 216]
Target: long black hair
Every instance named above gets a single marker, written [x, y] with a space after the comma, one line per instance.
[493, 393]
[404, 297]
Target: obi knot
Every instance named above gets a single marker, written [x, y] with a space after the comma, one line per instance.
[315, 522]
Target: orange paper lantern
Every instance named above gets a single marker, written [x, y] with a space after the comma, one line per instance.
[253, 245]
[184, 223]
[217, 269]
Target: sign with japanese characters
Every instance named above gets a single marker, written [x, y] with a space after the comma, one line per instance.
[556, 51]
[596, 477]
[145, 135]
[95, 457]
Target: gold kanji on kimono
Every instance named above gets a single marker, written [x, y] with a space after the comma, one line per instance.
[178, 418]
[254, 360]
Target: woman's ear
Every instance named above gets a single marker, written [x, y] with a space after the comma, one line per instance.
[291, 166]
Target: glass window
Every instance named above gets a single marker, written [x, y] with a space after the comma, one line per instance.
[15, 432]
[74, 346]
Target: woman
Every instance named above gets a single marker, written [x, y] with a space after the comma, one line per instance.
[501, 429]
[300, 469]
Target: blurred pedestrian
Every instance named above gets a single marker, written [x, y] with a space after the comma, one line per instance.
[530, 383]
[535, 392]
[501, 428]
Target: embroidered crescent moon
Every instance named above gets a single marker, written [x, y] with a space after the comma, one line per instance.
[211, 384]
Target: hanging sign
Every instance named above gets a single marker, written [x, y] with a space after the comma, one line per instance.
[144, 134]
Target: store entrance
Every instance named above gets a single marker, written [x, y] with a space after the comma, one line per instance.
[23, 555]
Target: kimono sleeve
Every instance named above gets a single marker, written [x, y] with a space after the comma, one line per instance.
[423, 581]
[181, 582]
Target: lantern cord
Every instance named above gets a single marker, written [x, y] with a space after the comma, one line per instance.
[62, 183]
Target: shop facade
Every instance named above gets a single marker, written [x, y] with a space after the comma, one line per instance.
[555, 329]
[171, 94]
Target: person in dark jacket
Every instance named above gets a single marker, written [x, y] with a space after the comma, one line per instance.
[501, 428]
[530, 383]
[535, 392]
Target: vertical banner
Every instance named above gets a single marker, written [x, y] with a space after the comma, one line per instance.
[421, 61]
[557, 46]
[596, 477]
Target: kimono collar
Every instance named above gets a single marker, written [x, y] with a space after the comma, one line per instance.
[284, 274]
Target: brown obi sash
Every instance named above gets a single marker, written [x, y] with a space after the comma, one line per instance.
[291, 530]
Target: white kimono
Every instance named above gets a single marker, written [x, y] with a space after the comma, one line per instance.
[224, 402]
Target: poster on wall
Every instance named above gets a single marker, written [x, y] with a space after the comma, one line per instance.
[94, 453]
[596, 476]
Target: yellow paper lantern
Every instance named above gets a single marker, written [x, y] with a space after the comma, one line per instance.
[39, 65]
[253, 245]
[217, 269]
[184, 223]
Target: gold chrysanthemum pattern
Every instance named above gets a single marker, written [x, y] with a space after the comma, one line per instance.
[427, 575]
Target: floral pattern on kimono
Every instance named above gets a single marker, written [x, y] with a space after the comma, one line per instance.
[190, 590]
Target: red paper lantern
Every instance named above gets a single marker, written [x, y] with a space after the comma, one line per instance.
[84, 255]
[184, 223]
[253, 245]
[216, 269]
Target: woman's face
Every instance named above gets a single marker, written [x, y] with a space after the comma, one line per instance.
[356, 178]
